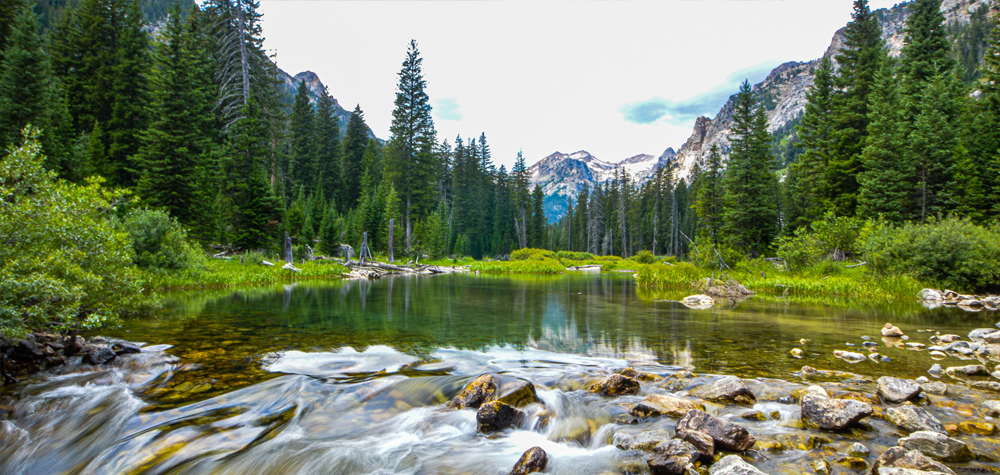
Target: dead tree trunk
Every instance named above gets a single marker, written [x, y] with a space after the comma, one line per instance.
[391, 224]
[364, 247]
[288, 248]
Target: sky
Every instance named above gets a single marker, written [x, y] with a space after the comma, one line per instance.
[614, 78]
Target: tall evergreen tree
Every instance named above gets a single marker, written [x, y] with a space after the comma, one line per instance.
[887, 180]
[708, 200]
[409, 159]
[985, 135]
[371, 167]
[860, 59]
[807, 177]
[178, 144]
[24, 79]
[934, 146]
[751, 215]
[350, 160]
[926, 49]
[327, 143]
[537, 226]
[302, 167]
[257, 218]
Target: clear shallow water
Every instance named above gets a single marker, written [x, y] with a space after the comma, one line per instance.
[352, 377]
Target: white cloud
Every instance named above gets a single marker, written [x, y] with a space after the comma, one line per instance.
[546, 76]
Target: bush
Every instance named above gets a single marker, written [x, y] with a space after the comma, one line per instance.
[159, 241]
[830, 238]
[952, 252]
[644, 257]
[575, 256]
[65, 261]
[532, 254]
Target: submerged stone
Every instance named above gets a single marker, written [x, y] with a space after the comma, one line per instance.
[733, 465]
[832, 414]
[913, 419]
[900, 458]
[616, 385]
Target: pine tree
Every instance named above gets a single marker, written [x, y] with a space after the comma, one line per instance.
[371, 167]
[807, 177]
[258, 210]
[537, 227]
[750, 214]
[24, 79]
[178, 144]
[327, 143]
[351, 158]
[708, 199]
[887, 182]
[933, 145]
[983, 136]
[860, 59]
[329, 230]
[926, 50]
[409, 158]
[302, 166]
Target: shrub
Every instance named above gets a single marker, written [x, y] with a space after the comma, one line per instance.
[532, 254]
[575, 256]
[65, 261]
[952, 252]
[830, 238]
[159, 241]
[644, 257]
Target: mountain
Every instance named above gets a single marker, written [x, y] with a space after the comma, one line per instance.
[562, 176]
[783, 92]
[290, 87]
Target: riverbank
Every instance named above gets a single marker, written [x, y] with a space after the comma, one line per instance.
[226, 273]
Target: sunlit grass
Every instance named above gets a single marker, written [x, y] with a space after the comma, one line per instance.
[540, 266]
[218, 273]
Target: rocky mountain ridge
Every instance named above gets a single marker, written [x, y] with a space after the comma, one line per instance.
[290, 87]
[783, 92]
[563, 175]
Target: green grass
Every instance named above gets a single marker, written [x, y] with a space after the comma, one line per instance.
[539, 266]
[219, 273]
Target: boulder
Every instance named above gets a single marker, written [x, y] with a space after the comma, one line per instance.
[900, 458]
[672, 457]
[664, 405]
[931, 294]
[700, 440]
[934, 387]
[27, 350]
[639, 375]
[125, 348]
[895, 390]
[729, 389]
[517, 392]
[533, 460]
[938, 446]
[950, 338]
[733, 465]
[495, 416]
[698, 301]
[987, 385]
[891, 331]
[725, 434]
[832, 414]
[616, 385]
[991, 408]
[967, 370]
[97, 355]
[980, 333]
[644, 440]
[481, 390]
[72, 346]
[913, 419]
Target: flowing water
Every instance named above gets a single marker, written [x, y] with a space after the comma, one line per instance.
[353, 377]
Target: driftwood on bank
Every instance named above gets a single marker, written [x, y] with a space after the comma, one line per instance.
[370, 269]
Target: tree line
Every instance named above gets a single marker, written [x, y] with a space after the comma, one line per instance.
[192, 120]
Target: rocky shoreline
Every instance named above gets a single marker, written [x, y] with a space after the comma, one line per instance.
[45, 351]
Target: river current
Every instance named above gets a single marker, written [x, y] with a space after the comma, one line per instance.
[353, 377]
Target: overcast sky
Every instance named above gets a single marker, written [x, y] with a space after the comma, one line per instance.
[614, 78]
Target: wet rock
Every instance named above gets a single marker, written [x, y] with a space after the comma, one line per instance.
[27, 350]
[906, 471]
[900, 458]
[725, 434]
[664, 405]
[797, 353]
[937, 355]
[644, 440]
[931, 294]
[72, 346]
[125, 348]
[938, 446]
[977, 428]
[858, 450]
[753, 416]
[820, 466]
[672, 457]
[700, 440]
[815, 390]
[853, 463]
[980, 333]
[516, 392]
[616, 385]
[533, 460]
[949, 338]
[832, 414]
[698, 301]
[849, 356]
[921, 380]
[891, 331]
[53, 361]
[935, 387]
[895, 390]
[495, 416]
[98, 355]
[733, 465]
[729, 389]
[915, 346]
[935, 369]
[912, 419]
[481, 390]
[970, 304]
[987, 385]
[968, 370]
[639, 375]
[991, 408]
